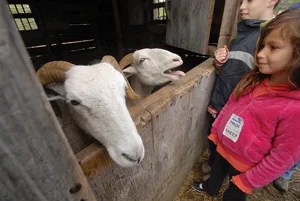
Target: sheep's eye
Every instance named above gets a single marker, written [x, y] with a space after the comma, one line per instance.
[142, 60]
[74, 102]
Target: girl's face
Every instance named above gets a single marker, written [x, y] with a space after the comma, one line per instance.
[274, 56]
[255, 9]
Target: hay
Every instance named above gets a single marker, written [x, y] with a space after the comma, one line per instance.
[268, 193]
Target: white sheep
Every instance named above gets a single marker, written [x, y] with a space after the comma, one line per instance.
[95, 97]
[150, 68]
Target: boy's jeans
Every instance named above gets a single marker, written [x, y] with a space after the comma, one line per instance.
[288, 174]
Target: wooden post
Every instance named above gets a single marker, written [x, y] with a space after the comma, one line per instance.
[36, 161]
[228, 21]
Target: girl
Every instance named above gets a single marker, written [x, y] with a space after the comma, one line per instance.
[257, 133]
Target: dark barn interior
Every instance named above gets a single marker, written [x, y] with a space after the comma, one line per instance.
[78, 31]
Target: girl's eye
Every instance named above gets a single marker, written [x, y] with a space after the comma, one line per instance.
[74, 102]
[274, 47]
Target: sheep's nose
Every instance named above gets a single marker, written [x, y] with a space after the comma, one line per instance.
[176, 59]
[138, 160]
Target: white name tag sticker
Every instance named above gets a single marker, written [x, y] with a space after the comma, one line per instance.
[233, 127]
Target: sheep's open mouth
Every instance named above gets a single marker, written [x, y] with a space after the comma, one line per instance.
[178, 74]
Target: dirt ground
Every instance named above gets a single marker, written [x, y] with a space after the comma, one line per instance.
[268, 193]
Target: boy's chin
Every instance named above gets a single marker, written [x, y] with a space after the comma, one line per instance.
[244, 17]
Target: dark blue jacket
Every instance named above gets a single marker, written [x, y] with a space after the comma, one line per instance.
[240, 61]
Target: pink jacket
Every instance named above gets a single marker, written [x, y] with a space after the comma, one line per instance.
[266, 129]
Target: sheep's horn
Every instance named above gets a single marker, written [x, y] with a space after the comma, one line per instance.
[129, 91]
[53, 71]
[110, 59]
[126, 60]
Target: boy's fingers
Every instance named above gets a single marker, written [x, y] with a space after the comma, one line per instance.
[226, 49]
[221, 52]
[221, 49]
[221, 56]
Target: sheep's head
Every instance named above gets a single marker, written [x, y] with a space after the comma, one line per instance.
[152, 66]
[95, 96]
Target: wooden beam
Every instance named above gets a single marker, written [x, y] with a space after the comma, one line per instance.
[229, 21]
[36, 161]
[93, 159]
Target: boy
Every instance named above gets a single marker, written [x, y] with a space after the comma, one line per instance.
[236, 61]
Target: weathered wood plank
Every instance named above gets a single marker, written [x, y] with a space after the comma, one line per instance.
[229, 21]
[188, 25]
[36, 162]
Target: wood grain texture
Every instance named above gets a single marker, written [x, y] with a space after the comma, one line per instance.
[229, 22]
[188, 25]
[36, 162]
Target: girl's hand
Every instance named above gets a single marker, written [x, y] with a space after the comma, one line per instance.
[221, 56]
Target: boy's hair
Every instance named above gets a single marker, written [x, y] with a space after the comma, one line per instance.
[289, 24]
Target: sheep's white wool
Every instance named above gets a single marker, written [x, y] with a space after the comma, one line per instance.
[100, 91]
[152, 67]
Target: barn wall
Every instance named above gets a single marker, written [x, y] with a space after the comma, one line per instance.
[173, 124]
[189, 24]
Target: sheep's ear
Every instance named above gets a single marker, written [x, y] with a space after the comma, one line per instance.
[129, 71]
[56, 89]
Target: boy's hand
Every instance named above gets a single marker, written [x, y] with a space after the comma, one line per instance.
[221, 56]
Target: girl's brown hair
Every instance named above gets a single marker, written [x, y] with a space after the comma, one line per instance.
[289, 24]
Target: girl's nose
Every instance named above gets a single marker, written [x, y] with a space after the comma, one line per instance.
[260, 53]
